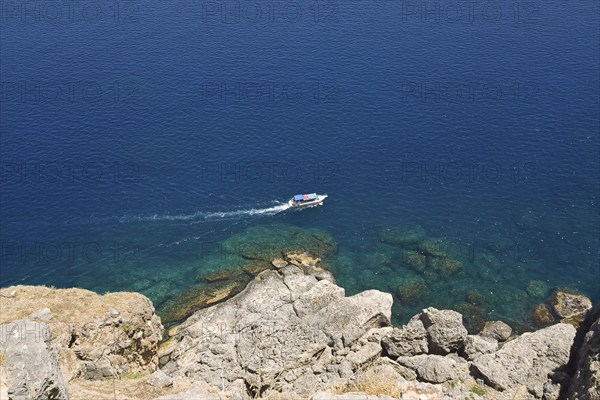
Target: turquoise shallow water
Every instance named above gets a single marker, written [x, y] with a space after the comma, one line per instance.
[134, 143]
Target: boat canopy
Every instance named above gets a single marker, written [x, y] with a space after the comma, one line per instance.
[305, 197]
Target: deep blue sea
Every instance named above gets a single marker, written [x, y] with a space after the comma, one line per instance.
[136, 136]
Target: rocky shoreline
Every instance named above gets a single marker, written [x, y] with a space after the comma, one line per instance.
[290, 334]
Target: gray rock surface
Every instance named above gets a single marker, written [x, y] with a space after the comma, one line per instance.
[445, 330]
[585, 383]
[528, 360]
[476, 345]
[95, 336]
[430, 368]
[408, 340]
[287, 331]
[43, 314]
[497, 330]
[348, 396]
[30, 364]
[9, 294]
[194, 394]
[159, 379]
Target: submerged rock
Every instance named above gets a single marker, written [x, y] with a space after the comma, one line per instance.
[200, 296]
[225, 274]
[437, 248]
[446, 266]
[406, 237]
[537, 289]
[474, 297]
[267, 242]
[541, 316]
[473, 316]
[411, 290]
[255, 268]
[415, 260]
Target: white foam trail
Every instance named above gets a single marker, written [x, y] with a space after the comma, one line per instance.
[199, 216]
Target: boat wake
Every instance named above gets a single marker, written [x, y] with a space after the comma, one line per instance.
[200, 216]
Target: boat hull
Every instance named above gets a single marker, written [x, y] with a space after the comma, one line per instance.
[307, 204]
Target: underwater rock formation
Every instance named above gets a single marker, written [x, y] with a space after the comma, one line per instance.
[541, 316]
[405, 237]
[201, 296]
[267, 242]
[537, 289]
[411, 290]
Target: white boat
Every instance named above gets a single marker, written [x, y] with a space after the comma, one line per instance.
[307, 200]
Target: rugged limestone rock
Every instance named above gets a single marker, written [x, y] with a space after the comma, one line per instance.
[30, 366]
[159, 379]
[95, 336]
[529, 360]
[445, 330]
[194, 394]
[476, 345]
[497, 330]
[430, 368]
[585, 383]
[408, 340]
[286, 331]
[570, 306]
[348, 396]
[288, 335]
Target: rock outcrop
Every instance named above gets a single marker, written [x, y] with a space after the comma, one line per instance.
[536, 360]
[497, 330]
[92, 337]
[291, 334]
[445, 330]
[408, 340]
[287, 331]
[585, 384]
[29, 367]
[570, 306]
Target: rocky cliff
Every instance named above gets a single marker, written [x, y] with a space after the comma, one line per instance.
[292, 333]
